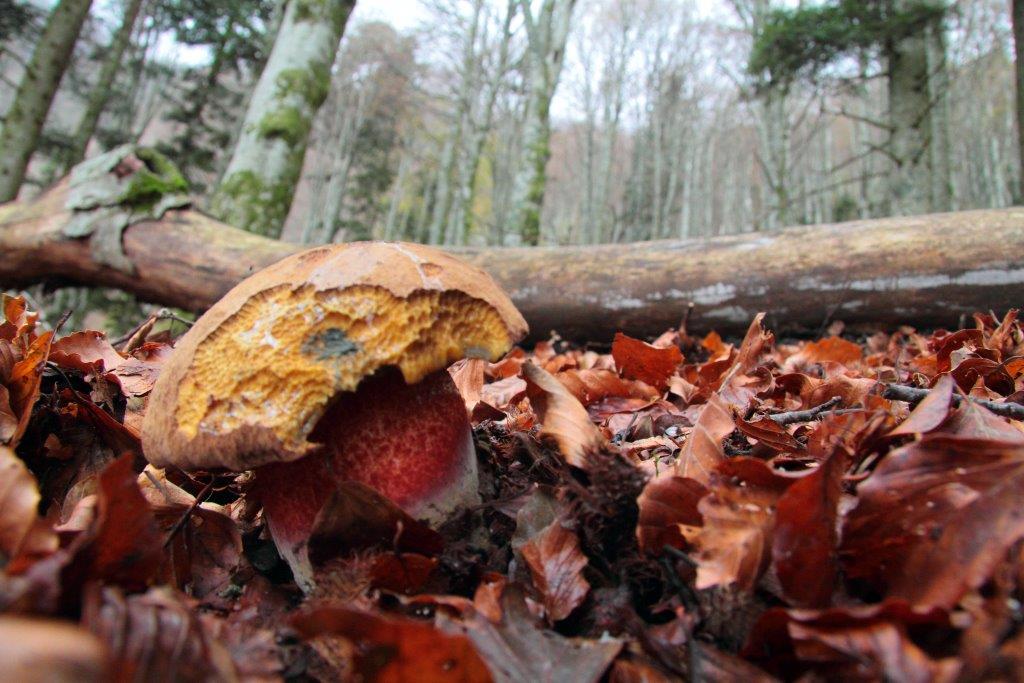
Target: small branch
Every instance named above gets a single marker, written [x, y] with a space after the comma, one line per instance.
[808, 415]
[900, 392]
[199, 500]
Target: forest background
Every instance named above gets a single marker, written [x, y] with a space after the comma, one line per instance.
[507, 122]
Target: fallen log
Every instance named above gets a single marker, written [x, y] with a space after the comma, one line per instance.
[926, 271]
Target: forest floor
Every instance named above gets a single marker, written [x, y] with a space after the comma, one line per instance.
[687, 509]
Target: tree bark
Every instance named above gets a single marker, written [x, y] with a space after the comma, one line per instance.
[24, 121]
[259, 182]
[1017, 12]
[926, 271]
[101, 91]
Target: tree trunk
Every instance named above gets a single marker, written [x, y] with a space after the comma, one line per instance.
[885, 272]
[547, 34]
[1017, 11]
[24, 121]
[910, 114]
[101, 91]
[259, 182]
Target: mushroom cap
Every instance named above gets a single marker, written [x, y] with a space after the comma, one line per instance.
[248, 383]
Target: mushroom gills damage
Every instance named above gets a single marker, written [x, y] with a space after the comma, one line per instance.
[412, 443]
[321, 343]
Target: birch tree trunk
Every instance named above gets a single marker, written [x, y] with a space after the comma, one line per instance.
[101, 91]
[25, 118]
[547, 33]
[259, 182]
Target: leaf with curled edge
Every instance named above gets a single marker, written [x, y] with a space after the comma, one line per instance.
[936, 518]
[806, 538]
[734, 545]
[666, 503]
[862, 642]
[828, 350]
[392, 649]
[155, 636]
[703, 451]
[23, 386]
[517, 648]
[637, 359]
[931, 412]
[556, 564]
[87, 352]
[19, 502]
[562, 417]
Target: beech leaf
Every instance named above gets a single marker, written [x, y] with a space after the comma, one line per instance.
[562, 417]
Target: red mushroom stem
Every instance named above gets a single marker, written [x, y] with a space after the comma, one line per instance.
[412, 443]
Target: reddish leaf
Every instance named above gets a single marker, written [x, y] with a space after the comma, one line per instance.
[590, 386]
[734, 545]
[556, 564]
[395, 650]
[703, 450]
[156, 636]
[667, 502]
[769, 433]
[830, 350]
[930, 412]
[856, 643]
[125, 546]
[23, 386]
[636, 359]
[562, 417]
[357, 517]
[936, 517]
[87, 352]
[517, 649]
[805, 541]
[401, 572]
[19, 502]
[139, 372]
[974, 421]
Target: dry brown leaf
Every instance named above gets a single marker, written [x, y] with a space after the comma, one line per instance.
[19, 503]
[703, 450]
[397, 650]
[637, 359]
[666, 503]
[556, 564]
[562, 417]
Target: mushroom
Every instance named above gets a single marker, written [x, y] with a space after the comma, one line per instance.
[330, 366]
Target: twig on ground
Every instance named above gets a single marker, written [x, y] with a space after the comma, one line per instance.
[200, 499]
[808, 415]
[900, 392]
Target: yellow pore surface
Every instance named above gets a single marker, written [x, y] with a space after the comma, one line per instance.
[279, 360]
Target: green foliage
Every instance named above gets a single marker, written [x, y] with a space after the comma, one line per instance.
[312, 84]
[795, 44]
[204, 107]
[288, 123]
[845, 208]
[160, 177]
[16, 18]
[246, 202]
